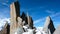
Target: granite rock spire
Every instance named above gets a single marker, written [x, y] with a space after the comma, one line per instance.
[49, 25]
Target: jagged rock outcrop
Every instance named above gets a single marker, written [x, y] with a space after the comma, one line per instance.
[49, 25]
[16, 21]
[30, 21]
[19, 29]
[24, 18]
[57, 31]
[5, 29]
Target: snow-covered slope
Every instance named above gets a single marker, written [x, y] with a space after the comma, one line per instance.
[39, 30]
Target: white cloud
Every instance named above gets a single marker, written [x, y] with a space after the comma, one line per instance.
[3, 21]
[39, 20]
[50, 11]
[5, 4]
[56, 14]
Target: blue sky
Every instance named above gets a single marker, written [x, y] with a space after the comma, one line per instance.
[37, 9]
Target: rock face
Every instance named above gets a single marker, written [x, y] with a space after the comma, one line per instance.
[57, 31]
[24, 18]
[15, 17]
[6, 29]
[30, 21]
[49, 25]
[19, 29]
